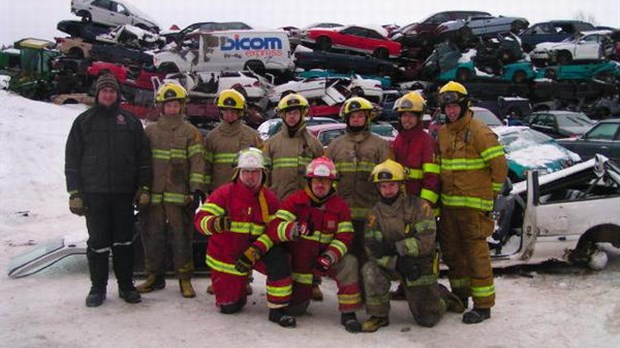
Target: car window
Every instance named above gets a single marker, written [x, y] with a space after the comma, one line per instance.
[103, 4]
[121, 9]
[487, 117]
[326, 137]
[356, 31]
[384, 130]
[373, 35]
[574, 120]
[603, 131]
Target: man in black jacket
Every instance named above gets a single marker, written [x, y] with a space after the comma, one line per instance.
[108, 171]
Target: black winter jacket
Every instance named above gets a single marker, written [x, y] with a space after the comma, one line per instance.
[107, 152]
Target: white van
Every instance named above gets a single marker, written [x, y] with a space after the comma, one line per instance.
[113, 13]
[230, 50]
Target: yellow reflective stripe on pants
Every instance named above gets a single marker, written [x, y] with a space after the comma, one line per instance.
[462, 283]
[280, 291]
[497, 186]
[303, 278]
[424, 280]
[223, 266]
[197, 178]
[468, 202]
[483, 291]
[349, 299]
[168, 197]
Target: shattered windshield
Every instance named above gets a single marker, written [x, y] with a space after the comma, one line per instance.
[514, 141]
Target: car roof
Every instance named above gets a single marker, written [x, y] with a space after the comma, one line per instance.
[558, 112]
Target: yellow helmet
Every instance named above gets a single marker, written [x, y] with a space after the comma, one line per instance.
[231, 99]
[387, 171]
[170, 91]
[293, 101]
[410, 102]
[357, 104]
[453, 92]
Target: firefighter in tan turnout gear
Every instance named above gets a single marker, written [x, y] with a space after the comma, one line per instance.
[224, 142]
[178, 188]
[400, 241]
[355, 153]
[290, 151]
[473, 170]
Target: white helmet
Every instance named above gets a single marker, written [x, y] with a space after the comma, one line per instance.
[251, 158]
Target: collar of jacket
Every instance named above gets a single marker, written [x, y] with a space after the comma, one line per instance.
[316, 201]
[461, 123]
[230, 128]
[298, 132]
[413, 131]
[170, 122]
[357, 137]
[393, 209]
[242, 190]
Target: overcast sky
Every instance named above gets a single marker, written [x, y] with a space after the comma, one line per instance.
[38, 18]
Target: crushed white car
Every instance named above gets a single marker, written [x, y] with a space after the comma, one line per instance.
[586, 45]
[331, 90]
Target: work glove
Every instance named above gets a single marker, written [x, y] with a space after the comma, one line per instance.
[408, 268]
[323, 263]
[299, 229]
[76, 205]
[142, 198]
[197, 199]
[427, 209]
[221, 224]
[380, 248]
[246, 261]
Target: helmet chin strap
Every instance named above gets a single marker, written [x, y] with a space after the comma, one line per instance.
[259, 182]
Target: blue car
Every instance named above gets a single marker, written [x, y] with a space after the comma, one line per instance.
[605, 71]
[386, 81]
[518, 72]
[527, 149]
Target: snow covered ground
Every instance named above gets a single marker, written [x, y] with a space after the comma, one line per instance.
[571, 308]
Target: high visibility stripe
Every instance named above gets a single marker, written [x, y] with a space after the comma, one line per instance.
[281, 230]
[285, 215]
[160, 154]
[415, 174]
[223, 158]
[286, 162]
[197, 178]
[359, 213]
[378, 300]
[213, 209]
[497, 186]
[303, 278]
[195, 149]
[204, 224]
[280, 291]
[207, 179]
[178, 153]
[483, 291]
[317, 236]
[168, 197]
[266, 241]
[431, 168]
[468, 202]
[349, 299]
[340, 246]
[412, 247]
[463, 164]
[429, 195]
[223, 266]
[156, 198]
[344, 227]
[425, 280]
[352, 167]
[492, 152]
[169, 154]
[72, 192]
[247, 227]
[425, 224]
[384, 261]
[459, 283]
[208, 156]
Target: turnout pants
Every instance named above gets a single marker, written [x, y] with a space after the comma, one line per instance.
[168, 223]
[462, 237]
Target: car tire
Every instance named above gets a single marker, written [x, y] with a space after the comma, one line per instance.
[323, 43]
[463, 75]
[381, 53]
[564, 57]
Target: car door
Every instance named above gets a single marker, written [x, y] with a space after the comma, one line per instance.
[353, 37]
[119, 14]
[542, 124]
[588, 47]
[604, 138]
[100, 11]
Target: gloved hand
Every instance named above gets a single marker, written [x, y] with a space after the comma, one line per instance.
[76, 205]
[408, 268]
[221, 224]
[427, 209]
[323, 263]
[246, 261]
[378, 249]
[142, 198]
[197, 199]
[299, 229]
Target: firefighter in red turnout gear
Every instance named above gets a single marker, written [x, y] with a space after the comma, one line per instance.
[234, 216]
[316, 223]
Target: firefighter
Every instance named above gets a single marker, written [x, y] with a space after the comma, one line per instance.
[355, 153]
[178, 188]
[414, 149]
[400, 242]
[473, 170]
[108, 173]
[224, 142]
[290, 151]
[317, 222]
[234, 216]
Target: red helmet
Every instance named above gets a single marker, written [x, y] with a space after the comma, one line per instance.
[322, 167]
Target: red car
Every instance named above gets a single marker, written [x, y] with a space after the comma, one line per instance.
[133, 77]
[353, 38]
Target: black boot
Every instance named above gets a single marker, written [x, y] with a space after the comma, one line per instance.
[98, 266]
[122, 260]
[278, 316]
[350, 323]
[476, 315]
